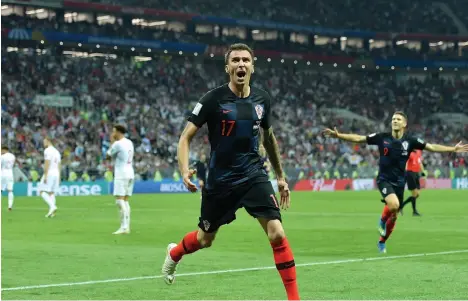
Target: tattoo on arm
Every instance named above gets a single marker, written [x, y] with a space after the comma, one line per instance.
[272, 149]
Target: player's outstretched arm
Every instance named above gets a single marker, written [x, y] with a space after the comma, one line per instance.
[346, 137]
[459, 148]
[272, 149]
[183, 155]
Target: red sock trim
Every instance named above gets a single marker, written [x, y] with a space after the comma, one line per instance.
[286, 266]
[187, 245]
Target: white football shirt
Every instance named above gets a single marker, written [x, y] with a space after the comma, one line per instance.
[122, 151]
[8, 161]
[54, 157]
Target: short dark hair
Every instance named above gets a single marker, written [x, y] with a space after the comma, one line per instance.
[50, 139]
[401, 113]
[236, 47]
[5, 147]
[120, 128]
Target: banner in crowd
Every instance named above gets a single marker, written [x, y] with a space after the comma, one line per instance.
[65, 189]
[460, 183]
[54, 100]
[166, 186]
[323, 185]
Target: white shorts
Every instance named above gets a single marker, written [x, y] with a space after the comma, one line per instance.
[7, 183]
[52, 184]
[123, 187]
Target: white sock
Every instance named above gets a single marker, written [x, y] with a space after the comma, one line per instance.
[52, 198]
[47, 199]
[10, 199]
[127, 218]
[122, 206]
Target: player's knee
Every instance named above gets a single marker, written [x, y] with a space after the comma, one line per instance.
[415, 193]
[205, 239]
[392, 203]
[276, 234]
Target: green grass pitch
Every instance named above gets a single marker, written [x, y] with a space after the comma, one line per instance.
[329, 232]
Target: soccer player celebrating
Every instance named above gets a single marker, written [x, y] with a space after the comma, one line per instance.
[122, 152]
[395, 148]
[234, 113]
[413, 170]
[8, 162]
[50, 180]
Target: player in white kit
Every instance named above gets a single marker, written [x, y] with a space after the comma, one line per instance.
[8, 162]
[122, 152]
[50, 181]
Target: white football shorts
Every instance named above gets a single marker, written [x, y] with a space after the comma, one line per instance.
[123, 187]
[7, 183]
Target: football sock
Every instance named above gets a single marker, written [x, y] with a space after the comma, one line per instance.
[413, 203]
[53, 201]
[386, 213]
[127, 217]
[408, 200]
[122, 206]
[188, 245]
[390, 227]
[10, 199]
[284, 261]
[47, 199]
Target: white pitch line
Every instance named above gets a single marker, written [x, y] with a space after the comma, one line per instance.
[20, 288]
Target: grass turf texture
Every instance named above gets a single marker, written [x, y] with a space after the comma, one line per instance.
[77, 246]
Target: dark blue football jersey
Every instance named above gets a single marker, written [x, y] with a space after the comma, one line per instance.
[394, 153]
[234, 133]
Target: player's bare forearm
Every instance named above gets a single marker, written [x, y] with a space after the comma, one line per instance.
[272, 149]
[437, 148]
[184, 147]
[351, 137]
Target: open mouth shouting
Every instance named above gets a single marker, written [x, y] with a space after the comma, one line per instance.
[241, 74]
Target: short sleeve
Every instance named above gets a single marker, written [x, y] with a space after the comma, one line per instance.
[266, 121]
[203, 109]
[374, 139]
[47, 155]
[418, 143]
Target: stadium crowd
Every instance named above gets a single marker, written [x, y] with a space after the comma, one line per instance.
[152, 98]
[119, 30]
[383, 16]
